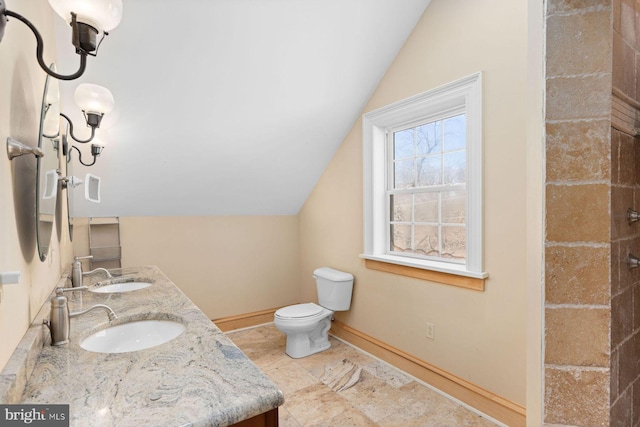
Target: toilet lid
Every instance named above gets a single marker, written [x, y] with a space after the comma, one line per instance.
[299, 310]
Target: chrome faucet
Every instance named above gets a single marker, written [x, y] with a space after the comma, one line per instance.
[59, 324]
[98, 269]
[76, 270]
[77, 274]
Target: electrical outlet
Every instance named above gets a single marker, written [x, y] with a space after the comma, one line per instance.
[431, 330]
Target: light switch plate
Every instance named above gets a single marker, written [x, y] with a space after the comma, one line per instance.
[10, 278]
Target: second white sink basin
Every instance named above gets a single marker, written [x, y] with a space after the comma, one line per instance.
[132, 336]
[120, 287]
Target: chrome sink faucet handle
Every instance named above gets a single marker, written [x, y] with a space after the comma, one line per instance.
[76, 270]
[58, 322]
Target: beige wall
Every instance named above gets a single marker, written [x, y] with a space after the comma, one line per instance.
[479, 336]
[535, 213]
[226, 265]
[20, 97]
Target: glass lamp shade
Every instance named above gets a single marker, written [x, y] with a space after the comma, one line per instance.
[104, 15]
[93, 98]
[53, 96]
[51, 125]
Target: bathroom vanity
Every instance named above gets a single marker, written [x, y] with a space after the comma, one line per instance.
[198, 378]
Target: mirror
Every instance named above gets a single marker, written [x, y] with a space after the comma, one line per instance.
[71, 184]
[92, 188]
[47, 170]
[91, 191]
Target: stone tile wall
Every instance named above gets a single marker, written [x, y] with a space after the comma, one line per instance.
[625, 238]
[592, 299]
[578, 214]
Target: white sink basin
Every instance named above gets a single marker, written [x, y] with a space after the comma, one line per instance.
[120, 287]
[132, 336]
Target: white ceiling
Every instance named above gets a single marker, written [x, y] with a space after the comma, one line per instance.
[230, 107]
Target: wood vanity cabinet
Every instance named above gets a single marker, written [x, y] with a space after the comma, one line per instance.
[266, 419]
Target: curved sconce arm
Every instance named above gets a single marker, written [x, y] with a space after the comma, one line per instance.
[40, 44]
[82, 141]
[16, 148]
[95, 152]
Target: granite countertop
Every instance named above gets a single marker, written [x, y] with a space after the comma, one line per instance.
[198, 378]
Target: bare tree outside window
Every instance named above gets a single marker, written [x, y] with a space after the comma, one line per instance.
[427, 190]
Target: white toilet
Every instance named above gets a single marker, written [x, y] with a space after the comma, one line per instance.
[307, 325]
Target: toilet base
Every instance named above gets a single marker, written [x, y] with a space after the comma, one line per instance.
[296, 350]
[303, 344]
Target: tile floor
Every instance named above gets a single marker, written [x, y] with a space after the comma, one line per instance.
[344, 386]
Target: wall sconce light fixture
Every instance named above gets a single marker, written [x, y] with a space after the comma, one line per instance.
[94, 101]
[95, 152]
[89, 19]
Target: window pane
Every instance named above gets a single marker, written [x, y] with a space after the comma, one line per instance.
[426, 240]
[426, 207]
[401, 207]
[429, 171]
[400, 238]
[455, 133]
[403, 174]
[429, 138]
[429, 223]
[403, 144]
[454, 243]
[455, 167]
[454, 207]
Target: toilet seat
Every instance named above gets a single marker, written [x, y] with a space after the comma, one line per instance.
[299, 311]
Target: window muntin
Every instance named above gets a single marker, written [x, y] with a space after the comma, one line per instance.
[426, 190]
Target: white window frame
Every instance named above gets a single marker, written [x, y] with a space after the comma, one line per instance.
[464, 95]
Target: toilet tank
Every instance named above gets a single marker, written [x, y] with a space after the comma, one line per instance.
[334, 288]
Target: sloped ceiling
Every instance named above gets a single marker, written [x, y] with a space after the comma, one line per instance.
[229, 107]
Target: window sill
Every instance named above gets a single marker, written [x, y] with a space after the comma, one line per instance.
[448, 275]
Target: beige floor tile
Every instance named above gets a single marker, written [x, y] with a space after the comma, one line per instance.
[316, 405]
[430, 408]
[375, 398]
[464, 417]
[262, 350]
[388, 374]
[429, 420]
[273, 334]
[339, 351]
[423, 400]
[382, 396]
[349, 418]
[285, 419]
[289, 376]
